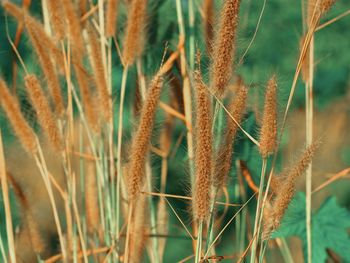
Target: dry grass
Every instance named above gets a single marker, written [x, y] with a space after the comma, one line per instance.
[99, 181]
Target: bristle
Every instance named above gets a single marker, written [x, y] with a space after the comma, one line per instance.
[203, 151]
[268, 133]
[44, 113]
[86, 96]
[91, 201]
[134, 34]
[100, 76]
[57, 19]
[74, 27]
[142, 137]
[286, 190]
[111, 17]
[225, 151]
[208, 22]
[38, 245]
[224, 47]
[12, 109]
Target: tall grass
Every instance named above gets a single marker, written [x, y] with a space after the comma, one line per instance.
[112, 196]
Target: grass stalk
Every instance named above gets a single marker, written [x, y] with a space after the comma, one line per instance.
[119, 150]
[259, 212]
[199, 242]
[309, 139]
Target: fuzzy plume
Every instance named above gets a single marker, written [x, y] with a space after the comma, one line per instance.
[12, 109]
[208, 19]
[142, 138]
[74, 27]
[268, 133]
[43, 110]
[100, 76]
[286, 190]
[224, 155]
[224, 47]
[134, 34]
[203, 152]
[46, 65]
[111, 17]
[57, 19]
[91, 201]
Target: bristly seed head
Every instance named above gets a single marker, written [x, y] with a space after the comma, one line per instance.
[268, 133]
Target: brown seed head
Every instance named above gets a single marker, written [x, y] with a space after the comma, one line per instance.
[43, 110]
[74, 27]
[142, 138]
[224, 47]
[208, 22]
[203, 152]
[225, 152]
[91, 201]
[134, 34]
[57, 18]
[286, 190]
[46, 64]
[111, 17]
[326, 5]
[12, 109]
[268, 133]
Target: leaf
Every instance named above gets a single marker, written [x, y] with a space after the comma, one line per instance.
[329, 228]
